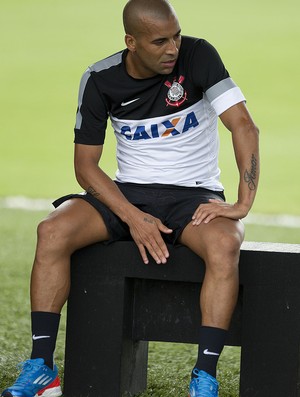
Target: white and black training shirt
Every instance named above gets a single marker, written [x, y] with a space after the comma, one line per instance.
[166, 125]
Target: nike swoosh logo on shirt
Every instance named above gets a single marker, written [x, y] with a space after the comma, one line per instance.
[207, 352]
[40, 337]
[129, 102]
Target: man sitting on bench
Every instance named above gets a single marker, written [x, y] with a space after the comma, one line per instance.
[163, 95]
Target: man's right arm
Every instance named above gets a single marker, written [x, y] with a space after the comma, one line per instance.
[145, 229]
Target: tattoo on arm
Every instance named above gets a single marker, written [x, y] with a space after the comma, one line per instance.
[148, 220]
[249, 177]
[92, 191]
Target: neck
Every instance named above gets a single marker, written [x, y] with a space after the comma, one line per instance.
[136, 70]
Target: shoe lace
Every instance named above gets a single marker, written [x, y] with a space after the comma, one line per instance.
[205, 387]
[26, 368]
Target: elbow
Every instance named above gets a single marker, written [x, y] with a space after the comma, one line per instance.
[79, 174]
[85, 173]
[256, 134]
[252, 129]
[81, 170]
[251, 126]
[86, 159]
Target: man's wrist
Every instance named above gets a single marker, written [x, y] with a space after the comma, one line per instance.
[243, 208]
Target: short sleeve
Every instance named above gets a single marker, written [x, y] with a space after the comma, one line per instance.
[223, 95]
[210, 74]
[92, 115]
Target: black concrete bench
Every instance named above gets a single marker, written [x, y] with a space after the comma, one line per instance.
[117, 304]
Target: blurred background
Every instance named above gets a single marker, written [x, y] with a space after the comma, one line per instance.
[46, 46]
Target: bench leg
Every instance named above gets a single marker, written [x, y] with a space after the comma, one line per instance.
[270, 342]
[105, 361]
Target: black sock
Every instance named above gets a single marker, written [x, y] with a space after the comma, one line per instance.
[212, 341]
[44, 327]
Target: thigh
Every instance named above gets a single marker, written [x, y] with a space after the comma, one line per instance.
[215, 238]
[77, 223]
[181, 206]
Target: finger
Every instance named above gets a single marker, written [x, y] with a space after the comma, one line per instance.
[205, 215]
[158, 252]
[199, 219]
[210, 217]
[155, 256]
[214, 206]
[163, 228]
[153, 243]
[157, 248]
[200, 214]
[196, 213]
[200, 210]
[143, 253]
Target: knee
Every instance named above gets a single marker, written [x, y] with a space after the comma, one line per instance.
[46, 231]
[229, 245]
[50, 235]
[223, 254]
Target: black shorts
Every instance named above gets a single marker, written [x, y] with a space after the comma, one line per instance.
[173, 205]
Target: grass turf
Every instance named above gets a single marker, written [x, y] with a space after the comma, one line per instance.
[45, 47]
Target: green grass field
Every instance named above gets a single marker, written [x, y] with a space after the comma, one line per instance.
[45, 47]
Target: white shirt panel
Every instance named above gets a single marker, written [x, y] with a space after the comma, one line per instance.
[181, 150]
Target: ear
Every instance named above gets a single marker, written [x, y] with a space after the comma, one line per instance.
[130, 42]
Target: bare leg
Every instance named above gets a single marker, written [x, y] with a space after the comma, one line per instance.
[71, 226]
[218, 243]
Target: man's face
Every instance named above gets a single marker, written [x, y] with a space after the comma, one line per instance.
[155, 48]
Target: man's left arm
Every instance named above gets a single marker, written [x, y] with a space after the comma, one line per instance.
[245, 142]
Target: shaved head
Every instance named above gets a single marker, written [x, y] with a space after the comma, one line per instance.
[152, 37]
[138, 11]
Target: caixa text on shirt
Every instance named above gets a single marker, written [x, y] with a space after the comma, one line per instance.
[166, 128]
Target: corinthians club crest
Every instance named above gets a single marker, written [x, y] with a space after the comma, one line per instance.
[176, 94]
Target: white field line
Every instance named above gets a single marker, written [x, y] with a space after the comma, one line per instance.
[29, 204]
[25, 203]
[282, 220]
